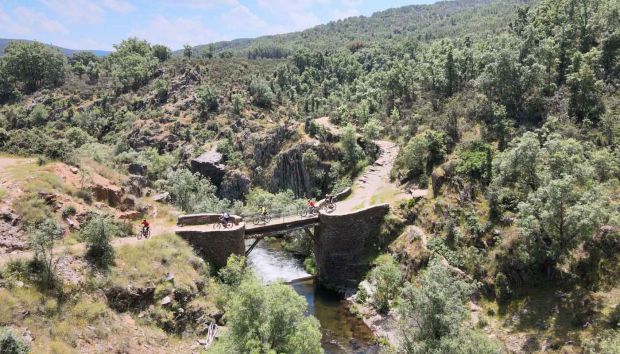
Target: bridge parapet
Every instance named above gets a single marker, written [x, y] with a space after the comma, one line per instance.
[215, 245]
[343, 243]
[205, 218]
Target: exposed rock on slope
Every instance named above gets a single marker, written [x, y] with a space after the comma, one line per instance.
[235, 185]
[210, 164]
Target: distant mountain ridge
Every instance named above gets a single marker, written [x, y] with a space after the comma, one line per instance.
[444, 19]
[4, 42]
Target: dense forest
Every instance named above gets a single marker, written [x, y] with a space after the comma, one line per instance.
[507, 111]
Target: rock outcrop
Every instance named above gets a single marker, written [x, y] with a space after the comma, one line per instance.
[211, 165]
[290, 172]
[235, 185]
[107, 193]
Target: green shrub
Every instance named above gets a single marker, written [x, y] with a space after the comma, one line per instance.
[386, 278]
[503, 292]
[68, 211]
[10, 344]
[86, 195]
[97, 232]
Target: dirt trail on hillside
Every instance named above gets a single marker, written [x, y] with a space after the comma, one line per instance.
[374, 185]
[158, 228]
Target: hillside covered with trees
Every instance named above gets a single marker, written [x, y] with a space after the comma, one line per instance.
[508, 112]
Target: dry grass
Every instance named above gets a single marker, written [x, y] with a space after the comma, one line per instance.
[153, 259]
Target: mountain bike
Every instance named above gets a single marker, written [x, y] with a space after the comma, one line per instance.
[145, 232]
[328, 206]
[262, 219]
[309, 211]
[223, 224]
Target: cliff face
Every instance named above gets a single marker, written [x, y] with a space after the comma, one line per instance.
[289, 171]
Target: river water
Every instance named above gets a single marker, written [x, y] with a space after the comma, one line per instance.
[342, 332]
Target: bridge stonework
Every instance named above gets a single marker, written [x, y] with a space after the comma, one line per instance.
[214, 245]
[343, 242]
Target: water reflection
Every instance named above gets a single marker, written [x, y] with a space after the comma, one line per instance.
[342, 332]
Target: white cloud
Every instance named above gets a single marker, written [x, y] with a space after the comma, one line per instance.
[242, 17]
[176, 32]
[119, 6]
[12, 28]
[78, 11]
[38, 20]
[340, 14]
[201, 4]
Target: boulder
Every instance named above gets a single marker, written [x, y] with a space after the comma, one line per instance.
[235, 185]
[161, 197]
[137, 169]
[130, 215]
[210, 164]
[135, 185]
[107, 193]
[128, 202]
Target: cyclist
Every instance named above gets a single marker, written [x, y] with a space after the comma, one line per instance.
[329, 199]
[146, 227]
[311, 205]
[262, 210]
[225, 218]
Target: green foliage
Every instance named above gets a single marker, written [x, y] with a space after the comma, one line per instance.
[475, 163]
[34, 65]
[187, 51]
[261, 93]
[193, 193]
[238, 103]
[97, 232]
[162, 88]
[41, 239]
[234, 271]
[131, 65]
[161, 52]
[386, 279]
[271, 318]
[433, 315]
[421, 153]
[207, 99]
[10, 344]
[373, 129]
[78, 137]
[503, 292]
[352, 151]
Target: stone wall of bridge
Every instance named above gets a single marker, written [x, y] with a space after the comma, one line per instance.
[215, 245]
[343, 242]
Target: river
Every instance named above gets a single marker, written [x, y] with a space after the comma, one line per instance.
[342, 332]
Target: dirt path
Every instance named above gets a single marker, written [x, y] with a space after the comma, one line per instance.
[374, 185]
[158, 227]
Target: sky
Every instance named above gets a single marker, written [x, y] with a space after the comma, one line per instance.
[98, 24]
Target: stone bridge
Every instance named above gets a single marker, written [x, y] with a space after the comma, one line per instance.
[342, 242]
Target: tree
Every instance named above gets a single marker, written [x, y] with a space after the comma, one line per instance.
[352, 151]
[132, 64]
[34, 65]
[41, 240]
[238, 103]
[187, 51]
[585, 91]
[207, 99]
[386, 278]
[266, 319]
[556, 218]
[261, 93]
[162, 87]
[373, 129]
[193, 193]
[433, 315]
[83, 58]
[161, 52]
[97, 232]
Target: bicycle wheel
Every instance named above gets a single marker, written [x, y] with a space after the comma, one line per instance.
[147, 234]
[303, 213]
[257, 220]
[267, 219]
[331, 207]
[139, 235]
[229, 225]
